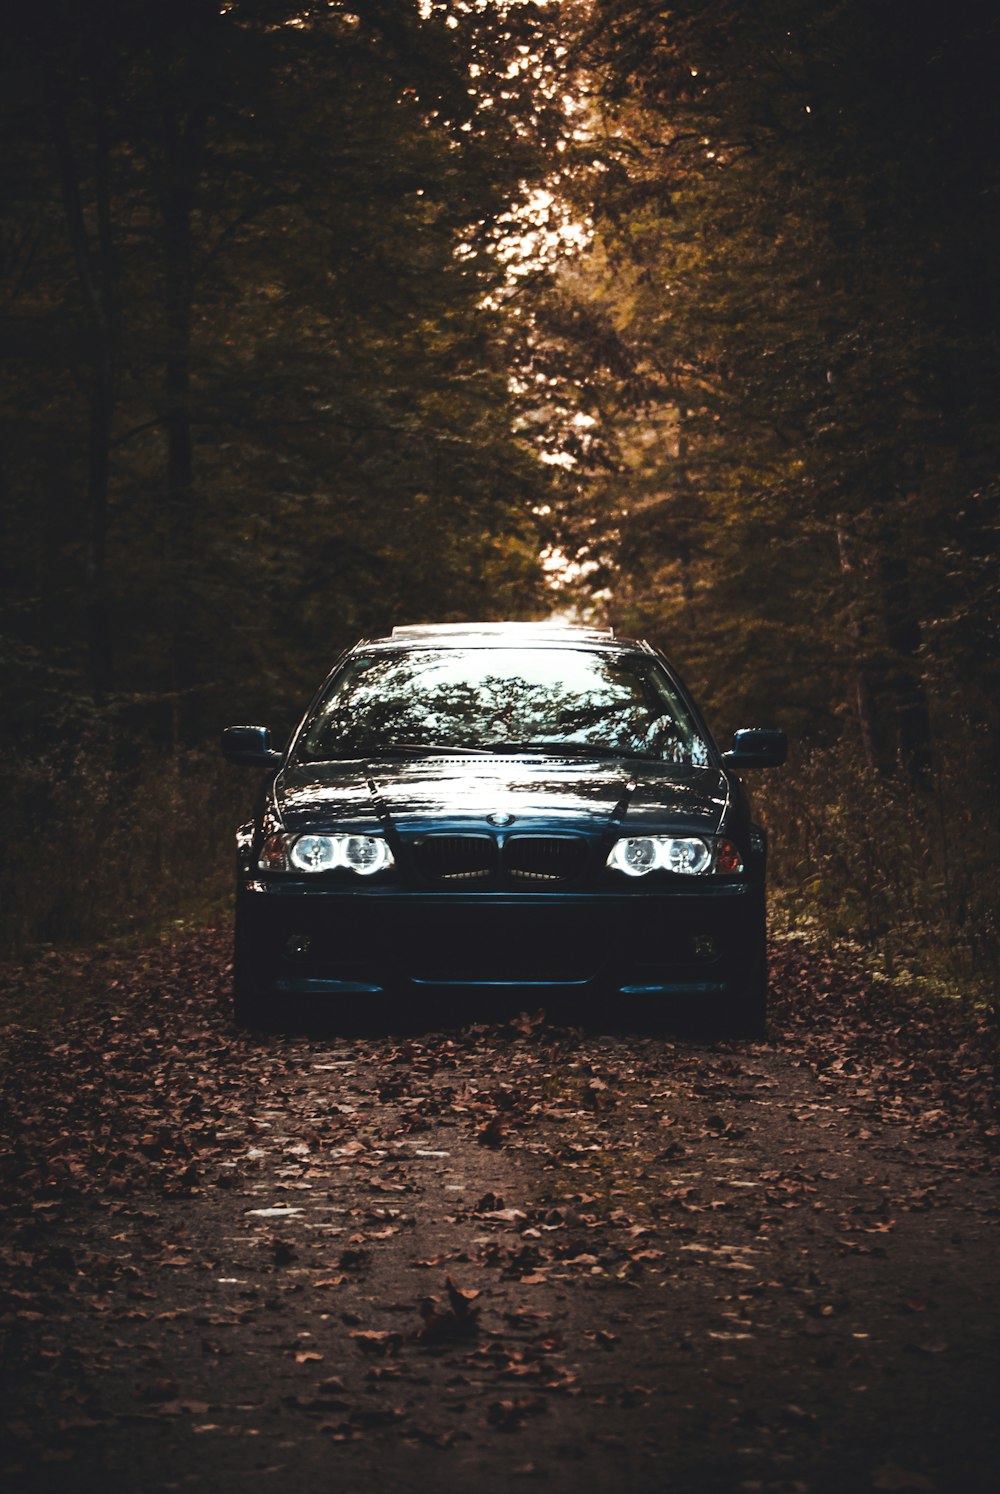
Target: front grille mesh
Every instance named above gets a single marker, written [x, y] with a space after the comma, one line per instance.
[541, 859]
[457, 858]
[523, 861]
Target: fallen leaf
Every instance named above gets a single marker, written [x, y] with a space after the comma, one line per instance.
[158, 1390]
[375, 1341]
[492, 1134]
[890, 1476]
[507, 1416]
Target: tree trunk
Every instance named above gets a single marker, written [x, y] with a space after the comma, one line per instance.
[908, 724]
[183, 141]
[888, 694]
[861, 701]
[96, 271]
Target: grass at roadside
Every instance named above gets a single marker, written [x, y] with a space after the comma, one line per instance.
[898, 879]
[107, 864]
[99, 850]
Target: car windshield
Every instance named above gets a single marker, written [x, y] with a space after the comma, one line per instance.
[580, 701]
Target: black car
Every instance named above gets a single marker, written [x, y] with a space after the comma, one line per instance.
[467, 808]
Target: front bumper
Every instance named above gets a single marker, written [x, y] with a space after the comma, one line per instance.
[295, 941]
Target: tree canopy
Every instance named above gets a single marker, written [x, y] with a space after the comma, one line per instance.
[324, 316]
[255, 395]
[795, 212]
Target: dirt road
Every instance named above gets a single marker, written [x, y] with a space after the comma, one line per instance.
[500, 1254]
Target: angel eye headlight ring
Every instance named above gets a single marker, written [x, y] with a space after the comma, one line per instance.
[313, 853]
[365, 855]
[688, 855]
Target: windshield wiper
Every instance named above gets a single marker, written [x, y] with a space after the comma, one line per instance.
[407, 749]
[566, 749]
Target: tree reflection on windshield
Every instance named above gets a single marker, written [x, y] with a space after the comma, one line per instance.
[489, 698]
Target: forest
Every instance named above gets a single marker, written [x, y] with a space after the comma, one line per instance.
[322, 317]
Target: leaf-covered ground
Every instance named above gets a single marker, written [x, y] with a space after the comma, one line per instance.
[518, 1251]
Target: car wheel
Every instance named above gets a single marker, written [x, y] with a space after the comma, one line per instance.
[250, 1010]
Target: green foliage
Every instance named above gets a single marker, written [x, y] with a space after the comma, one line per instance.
[795, 222]
[872, 864]
[254, 386]
[256, 399]
[786, 335]
[104, 849]
[266, 384]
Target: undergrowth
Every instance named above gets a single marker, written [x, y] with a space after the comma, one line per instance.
[900, 876]
[100, 849]
[105, 850]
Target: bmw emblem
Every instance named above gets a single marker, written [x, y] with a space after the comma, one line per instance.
[498, 818]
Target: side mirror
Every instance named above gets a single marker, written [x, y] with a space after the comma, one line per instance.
[249, 747]
[757, 747]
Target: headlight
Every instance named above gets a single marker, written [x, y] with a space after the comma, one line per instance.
[364, 854]
[314, 853]
[691, 855]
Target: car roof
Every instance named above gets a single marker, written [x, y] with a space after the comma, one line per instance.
[484, 634]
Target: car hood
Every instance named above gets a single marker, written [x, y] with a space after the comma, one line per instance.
[463, 792]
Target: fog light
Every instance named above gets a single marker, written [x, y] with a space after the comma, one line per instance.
[297, 945]
[704, 946]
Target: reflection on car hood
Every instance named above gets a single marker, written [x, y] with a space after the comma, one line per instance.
[462, 792]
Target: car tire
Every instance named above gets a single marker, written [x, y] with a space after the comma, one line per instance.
[250, 1010]
[745, 1015]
